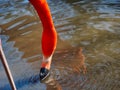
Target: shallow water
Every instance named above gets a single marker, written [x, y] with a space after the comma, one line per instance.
[93, 25]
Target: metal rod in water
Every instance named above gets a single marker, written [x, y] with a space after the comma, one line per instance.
[6, 67]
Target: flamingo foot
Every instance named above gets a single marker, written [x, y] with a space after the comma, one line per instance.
[44, 73]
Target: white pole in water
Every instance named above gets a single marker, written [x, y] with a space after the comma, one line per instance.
[6, 67]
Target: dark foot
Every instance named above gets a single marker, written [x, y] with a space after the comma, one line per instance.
[43, 73]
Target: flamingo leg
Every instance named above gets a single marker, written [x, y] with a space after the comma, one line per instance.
[49, 35]
[6, 67]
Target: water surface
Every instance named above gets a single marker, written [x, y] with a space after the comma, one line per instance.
[93, 25]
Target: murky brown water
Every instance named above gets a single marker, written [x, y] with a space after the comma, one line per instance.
[93, 25]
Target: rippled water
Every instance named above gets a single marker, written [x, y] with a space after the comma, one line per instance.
[93, 25]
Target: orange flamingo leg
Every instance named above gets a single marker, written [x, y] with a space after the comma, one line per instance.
[49, 35]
